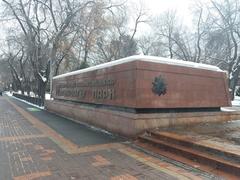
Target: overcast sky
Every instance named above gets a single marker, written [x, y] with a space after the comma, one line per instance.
[181, 6]
[156, 7]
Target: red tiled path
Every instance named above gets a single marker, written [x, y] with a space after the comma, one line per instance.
[29, 150]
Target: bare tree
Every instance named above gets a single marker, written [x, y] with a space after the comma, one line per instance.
[224, 37]
[45, 25]
[175, 40]
[150, 45]
[119, 40]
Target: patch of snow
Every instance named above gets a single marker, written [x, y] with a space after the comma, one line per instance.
[97, 129]
[227, 109]
[32, 94]
[237, 98]
[48, 96]
[8, 93]
[154, 59]
[236, 102]
[44, 79]
[232, 121]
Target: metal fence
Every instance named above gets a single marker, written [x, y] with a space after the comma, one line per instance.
[33, 100]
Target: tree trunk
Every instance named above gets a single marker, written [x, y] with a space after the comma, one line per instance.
[233, 83]
[42, 92]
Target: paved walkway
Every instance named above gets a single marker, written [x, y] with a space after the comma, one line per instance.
[35, 144]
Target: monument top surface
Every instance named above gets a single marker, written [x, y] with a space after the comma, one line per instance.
[154, 59]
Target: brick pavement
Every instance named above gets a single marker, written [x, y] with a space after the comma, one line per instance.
[29, 149]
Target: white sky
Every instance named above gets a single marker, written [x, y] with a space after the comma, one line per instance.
[156, 7]
[181, 6]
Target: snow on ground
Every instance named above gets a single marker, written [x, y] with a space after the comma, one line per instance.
[154, 59]
[236, 101]
[32, 94]
[227, 109]
[48, 96]
[40, 107]
[8, 93]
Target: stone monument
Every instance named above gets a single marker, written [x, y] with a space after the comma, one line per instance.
[130, 95]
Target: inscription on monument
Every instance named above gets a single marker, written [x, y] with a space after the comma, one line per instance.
[96, 89]
[107, 93]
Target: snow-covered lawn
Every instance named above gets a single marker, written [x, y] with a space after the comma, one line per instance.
[32, 94]
[236, 101]
[8, 93]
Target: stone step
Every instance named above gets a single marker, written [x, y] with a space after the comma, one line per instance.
[229, 154]
[194, 155]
